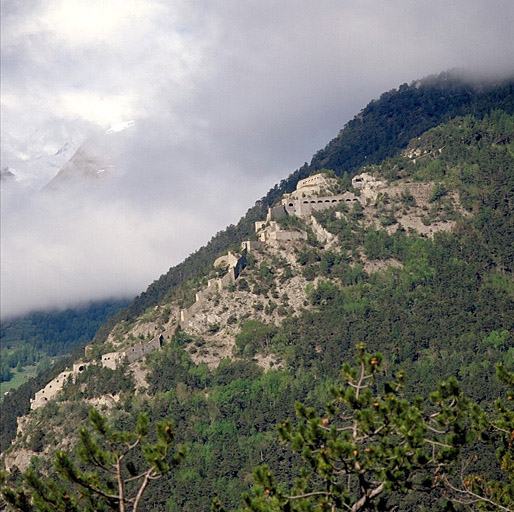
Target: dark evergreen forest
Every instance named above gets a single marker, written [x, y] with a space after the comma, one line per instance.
[382, 128]
[446, 310]
[28, 339]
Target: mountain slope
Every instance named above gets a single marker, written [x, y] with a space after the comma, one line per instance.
[382, 128]
[418, 264]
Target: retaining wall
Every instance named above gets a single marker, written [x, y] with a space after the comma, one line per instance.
[304, 206]
[51, 390]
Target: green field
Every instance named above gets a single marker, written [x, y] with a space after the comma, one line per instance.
[19, 377]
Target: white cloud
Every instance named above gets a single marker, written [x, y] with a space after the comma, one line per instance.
[228, 98]
[83, 23]
[98, 109]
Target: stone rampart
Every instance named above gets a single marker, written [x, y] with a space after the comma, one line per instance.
[275, 212]
[368, 185]
[141, 349]
[304, 206]
[110, 360]
[317, 180]
[252, 245]
[213, 286]
[240, 265]
[228, 260]
[236, 265]
[228, 278]
[259, 224]
[51, 390]
[113, 359]
[273, 232]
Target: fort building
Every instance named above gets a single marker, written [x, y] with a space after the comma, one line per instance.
[110, 360]
[51, 390]
[314, 193]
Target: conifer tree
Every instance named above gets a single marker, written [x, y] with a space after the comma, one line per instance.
[367, 446]
[478, 490]
[121, 465]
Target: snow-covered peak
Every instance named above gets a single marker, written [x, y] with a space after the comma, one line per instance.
[9, 177]
[90, 162]
[36, 169]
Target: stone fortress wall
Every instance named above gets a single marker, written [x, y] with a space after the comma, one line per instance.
[305, 206]
[51, 390]
[311, 194]
[110, 360]
[271, 233]
[113, 359]
[235, 265]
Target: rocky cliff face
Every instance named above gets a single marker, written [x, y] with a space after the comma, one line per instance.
[387, 268]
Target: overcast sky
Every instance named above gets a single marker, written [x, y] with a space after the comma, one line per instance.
[228, 98]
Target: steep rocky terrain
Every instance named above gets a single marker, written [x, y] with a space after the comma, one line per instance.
[417, 263]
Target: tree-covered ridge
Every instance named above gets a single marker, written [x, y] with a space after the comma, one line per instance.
[371, 449]
[449, 303]
[445, 310]
[382, 128]
[40, 336]
[386, 125]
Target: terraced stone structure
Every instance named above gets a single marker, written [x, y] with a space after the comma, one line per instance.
[314, 194]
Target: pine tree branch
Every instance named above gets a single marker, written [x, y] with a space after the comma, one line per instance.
[144, 484]
[121, 484]
[436, 443]
[476, 497]
[308, 495]
[361, 502]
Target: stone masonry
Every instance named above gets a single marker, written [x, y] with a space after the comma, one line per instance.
[311, 194]
[110, 360]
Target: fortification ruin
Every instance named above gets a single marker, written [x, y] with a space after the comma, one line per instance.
[111, 360]
[234, 265]
[314, 193]
[51, 390]
[368, 185]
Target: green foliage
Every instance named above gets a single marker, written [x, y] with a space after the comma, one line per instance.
[114, 479]
[408, 199]
[37, 337]
[366, 446]
[291, 223]
[17, 402]
[96, 381]
[438, 192]
[497, 430]
[254, 337]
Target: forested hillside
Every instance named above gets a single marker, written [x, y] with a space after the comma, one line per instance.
[420, 271]
[37, 337]
[382, 128]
